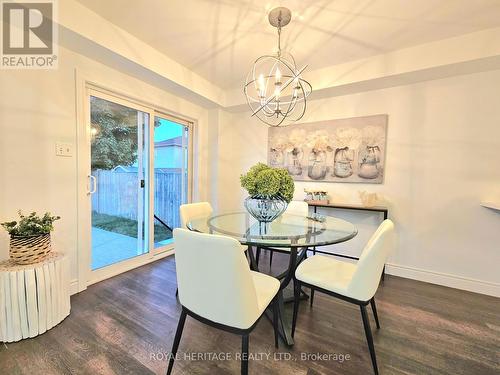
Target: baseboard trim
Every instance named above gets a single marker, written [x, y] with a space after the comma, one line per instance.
[432, 277]
[73, 286]
[457, 282]
[125, 266]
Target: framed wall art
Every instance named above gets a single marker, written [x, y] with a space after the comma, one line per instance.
[344, 150]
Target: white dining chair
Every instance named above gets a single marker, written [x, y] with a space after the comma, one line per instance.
[299, 208]
[354, 283]
[216, 287]
[193, 211]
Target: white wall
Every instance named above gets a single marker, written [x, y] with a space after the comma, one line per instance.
[37, 109]
[442, 160]
[443, 141]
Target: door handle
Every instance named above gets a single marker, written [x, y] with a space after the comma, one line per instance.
[93, 185]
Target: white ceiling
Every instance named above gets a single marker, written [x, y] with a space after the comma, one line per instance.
[219, 39]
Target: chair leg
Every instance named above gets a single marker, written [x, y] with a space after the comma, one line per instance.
[271, 258]
[369, 338]
[311, 298]
[257, 256]
[374, 309]
[244, 355]
[275, 322]
[177, 340]
[296, 301]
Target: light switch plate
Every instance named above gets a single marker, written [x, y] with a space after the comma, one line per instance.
[64, 149]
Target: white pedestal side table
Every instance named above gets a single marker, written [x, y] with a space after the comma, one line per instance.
[33, 298]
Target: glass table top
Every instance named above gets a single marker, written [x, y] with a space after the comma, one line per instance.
[286, 231]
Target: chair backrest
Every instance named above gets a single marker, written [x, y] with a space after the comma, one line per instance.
[193, 211]
[366, 278]
[214, 278]
[299, 208]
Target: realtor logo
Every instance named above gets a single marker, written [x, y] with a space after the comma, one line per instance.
[28, 35]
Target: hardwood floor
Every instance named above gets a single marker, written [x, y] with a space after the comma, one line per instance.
[125, 325]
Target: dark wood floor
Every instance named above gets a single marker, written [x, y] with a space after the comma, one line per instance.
[125, 324]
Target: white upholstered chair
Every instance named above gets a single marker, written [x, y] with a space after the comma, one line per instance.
[299, 208]
[354, 283]
[193, 211]
[216, 287]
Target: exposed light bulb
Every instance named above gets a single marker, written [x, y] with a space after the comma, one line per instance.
[262, 86]
[278, 76]
[277, 92]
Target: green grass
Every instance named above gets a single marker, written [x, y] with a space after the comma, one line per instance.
[126, 227]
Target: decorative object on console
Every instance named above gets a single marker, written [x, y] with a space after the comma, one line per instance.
[270, 190]
[316, 196]
[274, 88]
[345, 150]
[30, 237]
[368, 199]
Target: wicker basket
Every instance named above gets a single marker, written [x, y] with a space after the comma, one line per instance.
[29, 249]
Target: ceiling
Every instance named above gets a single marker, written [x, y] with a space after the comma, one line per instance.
[219, 39]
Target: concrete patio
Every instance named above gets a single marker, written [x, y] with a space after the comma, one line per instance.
[109, 248]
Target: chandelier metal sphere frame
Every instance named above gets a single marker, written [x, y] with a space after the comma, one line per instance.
[274, 88]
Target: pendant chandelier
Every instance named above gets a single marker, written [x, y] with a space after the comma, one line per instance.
[274, 88]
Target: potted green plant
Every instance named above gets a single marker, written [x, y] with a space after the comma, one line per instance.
[30, 237]
[270, 190]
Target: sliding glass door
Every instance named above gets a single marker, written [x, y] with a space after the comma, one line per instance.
[139, 176]
[171, 149]
[119, 160]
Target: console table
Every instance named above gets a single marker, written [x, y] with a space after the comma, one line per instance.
[34, 297]
[341, 206]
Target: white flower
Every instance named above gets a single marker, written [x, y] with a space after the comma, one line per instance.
[297, 137]
[347, 137]
[373, 135]
[279, 144]
[319, 141]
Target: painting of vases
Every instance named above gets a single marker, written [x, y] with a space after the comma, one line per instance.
[344, 150]
[369, 162]
[294, 161]
[317, 165]
[342, 162]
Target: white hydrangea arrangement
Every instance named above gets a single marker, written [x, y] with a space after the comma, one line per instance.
[347, 137]
[373, 135]
[296, 139]
[280, 144]
[319, 141]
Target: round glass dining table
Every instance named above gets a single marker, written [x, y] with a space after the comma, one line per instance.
[289, 233]
[286, 231]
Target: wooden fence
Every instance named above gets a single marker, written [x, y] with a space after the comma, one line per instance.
[117, 192]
